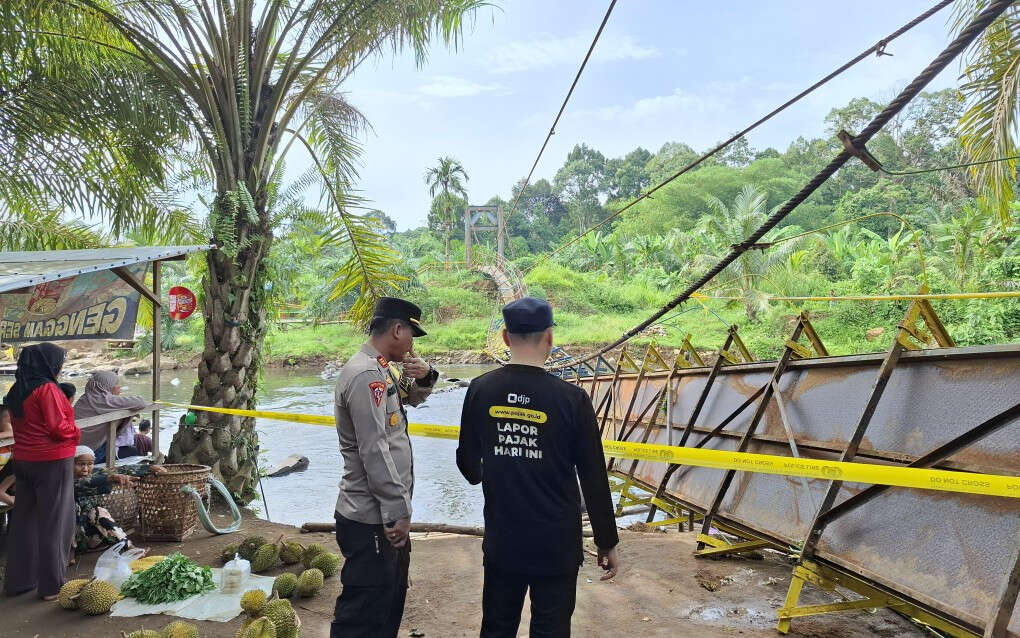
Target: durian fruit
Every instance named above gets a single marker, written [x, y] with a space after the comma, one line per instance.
[265, 558]
[228, 553]
[253, 601]
[282, 614]
[288, 633]
[249, 546]
[180, 629]
[244, 626]
[311, 552]
[326, 563]
[290, 552]
[309, 583]
[97, 597]
[259, 628]
[70, 589]
[285, 584]
[142, 633]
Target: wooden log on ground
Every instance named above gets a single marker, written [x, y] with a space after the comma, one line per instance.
[630, 511]
[464, 530]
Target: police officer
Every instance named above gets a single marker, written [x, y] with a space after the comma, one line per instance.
[373, 511]
[528, 437]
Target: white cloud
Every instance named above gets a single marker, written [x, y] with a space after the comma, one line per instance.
[650, 109]
[448, 86]
[549, 51]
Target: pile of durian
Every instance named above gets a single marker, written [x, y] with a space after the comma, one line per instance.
[176, 629]
[94, 597]
[269, 618]
[319, 564]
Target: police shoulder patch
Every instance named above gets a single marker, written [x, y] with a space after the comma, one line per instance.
[378, 389]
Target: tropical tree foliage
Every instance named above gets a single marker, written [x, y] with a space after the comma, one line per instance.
[444, 179]
[236, 84]
[989, 127]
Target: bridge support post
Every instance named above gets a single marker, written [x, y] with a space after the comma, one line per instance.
[500, 233]
[467, 237]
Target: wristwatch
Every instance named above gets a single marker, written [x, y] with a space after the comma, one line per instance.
[429, 379]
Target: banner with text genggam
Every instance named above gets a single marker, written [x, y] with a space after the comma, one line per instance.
[92, 305]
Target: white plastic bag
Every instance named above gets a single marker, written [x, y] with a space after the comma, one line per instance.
[234, 575]
[114, 566]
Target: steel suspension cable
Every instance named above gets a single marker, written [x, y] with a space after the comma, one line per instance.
[961, 42]
[552, 129]
[951, 167]
[878, 48]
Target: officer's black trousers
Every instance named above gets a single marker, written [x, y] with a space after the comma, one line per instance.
[374, 578]
[552, 603]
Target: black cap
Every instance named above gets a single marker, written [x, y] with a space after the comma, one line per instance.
[394, 308]
[527, 315]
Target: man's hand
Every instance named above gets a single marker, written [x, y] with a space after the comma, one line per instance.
[609, 560]
[121, 479]
[157, 469]
[415, 367]
[398, 532]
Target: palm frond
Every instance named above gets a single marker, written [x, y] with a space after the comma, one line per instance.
[371, 268]
[989, 127]
[25, 230]
[83, 124]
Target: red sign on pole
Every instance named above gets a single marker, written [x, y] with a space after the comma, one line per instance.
[182, 302]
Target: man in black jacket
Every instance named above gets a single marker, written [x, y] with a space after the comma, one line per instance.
[528, 436]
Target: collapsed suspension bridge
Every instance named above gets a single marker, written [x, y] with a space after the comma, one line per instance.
[890, 478]
[949, 561]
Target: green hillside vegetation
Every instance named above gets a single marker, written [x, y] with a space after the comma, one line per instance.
[862, 233]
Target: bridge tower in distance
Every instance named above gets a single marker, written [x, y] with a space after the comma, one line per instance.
[483, 218]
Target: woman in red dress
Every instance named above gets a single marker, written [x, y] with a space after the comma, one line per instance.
[45, 438]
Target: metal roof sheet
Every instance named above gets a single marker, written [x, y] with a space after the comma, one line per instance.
[28, 268]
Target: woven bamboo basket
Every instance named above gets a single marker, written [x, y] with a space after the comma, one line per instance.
[122, 503]
[165, 512]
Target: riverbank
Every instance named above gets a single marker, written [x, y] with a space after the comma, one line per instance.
[662, 590]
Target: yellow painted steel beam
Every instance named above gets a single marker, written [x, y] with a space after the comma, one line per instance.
[813, 610]
[719, 547]
[828, 579]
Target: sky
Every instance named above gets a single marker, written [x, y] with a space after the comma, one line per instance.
[663, 70]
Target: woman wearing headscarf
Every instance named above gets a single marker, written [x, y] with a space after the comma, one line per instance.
[101, 396]
[45, 438]
[95, 527]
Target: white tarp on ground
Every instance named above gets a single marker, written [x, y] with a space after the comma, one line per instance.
[214, 605]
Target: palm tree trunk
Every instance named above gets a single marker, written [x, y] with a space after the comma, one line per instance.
[233, 308]
[446, 243]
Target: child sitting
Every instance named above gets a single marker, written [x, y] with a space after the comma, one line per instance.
[143, 442]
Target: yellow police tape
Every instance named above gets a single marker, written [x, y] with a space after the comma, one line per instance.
[898, 476]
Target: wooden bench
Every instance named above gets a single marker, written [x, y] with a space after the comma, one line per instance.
[110, 418]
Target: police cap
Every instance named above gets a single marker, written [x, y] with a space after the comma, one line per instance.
[527, 315]
[395, 308]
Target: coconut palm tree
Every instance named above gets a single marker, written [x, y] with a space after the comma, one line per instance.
[445, 178]
[242, 84]
[989, 127]
[727, 225]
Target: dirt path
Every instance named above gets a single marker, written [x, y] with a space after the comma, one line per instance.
[661, 591]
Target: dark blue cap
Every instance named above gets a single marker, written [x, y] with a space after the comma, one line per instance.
[396, 308]
[527, 315]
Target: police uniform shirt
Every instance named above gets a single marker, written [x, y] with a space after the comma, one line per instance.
[527, 436]
[378, 475]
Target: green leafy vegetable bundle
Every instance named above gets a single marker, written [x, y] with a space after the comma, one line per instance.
[176, 577]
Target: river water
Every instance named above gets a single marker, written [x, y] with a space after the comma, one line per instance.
[441, 495]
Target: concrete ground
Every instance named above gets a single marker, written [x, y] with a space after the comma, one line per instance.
[662, 590]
